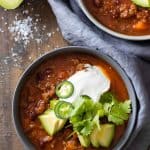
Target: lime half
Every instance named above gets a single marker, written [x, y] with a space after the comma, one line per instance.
[10, 4]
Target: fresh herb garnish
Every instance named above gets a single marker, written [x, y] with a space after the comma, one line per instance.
[86, 115]
[116, 112]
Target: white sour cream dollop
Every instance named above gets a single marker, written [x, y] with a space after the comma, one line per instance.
[91, 81]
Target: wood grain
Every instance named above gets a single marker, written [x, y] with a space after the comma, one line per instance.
[11, 67]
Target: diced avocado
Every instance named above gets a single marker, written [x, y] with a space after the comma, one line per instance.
[94, 137]
[10, 4]
[142, 3]
[103, 136]
[106, 134]
[51, 123]
[47, 111]
[61, 124]
[84, 140]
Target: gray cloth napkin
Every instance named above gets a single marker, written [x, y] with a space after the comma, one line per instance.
[77, 30]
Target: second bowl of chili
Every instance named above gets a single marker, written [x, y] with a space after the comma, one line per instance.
[122, 19]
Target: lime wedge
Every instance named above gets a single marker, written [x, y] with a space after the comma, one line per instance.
[10, 4]
[142, 3]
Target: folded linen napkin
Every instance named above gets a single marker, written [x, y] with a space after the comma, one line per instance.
[77, 30]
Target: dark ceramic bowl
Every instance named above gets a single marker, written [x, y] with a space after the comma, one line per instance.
[132, 120]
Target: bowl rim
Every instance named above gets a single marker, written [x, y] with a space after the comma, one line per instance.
[69, 49]
[109, 31]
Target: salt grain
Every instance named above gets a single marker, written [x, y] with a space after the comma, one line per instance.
[26, 12]
[49, 34]
[30, 57]
[37, 20]
[1, 30]
[44, 27]
[22, 30]
[38, 41]
[57, 29]
[37, 15]
[28, 3]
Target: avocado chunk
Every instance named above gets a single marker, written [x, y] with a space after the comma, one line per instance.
[10, 4]
[61, 124]
[84, 140]
[94, 137]
[103, 136]
[142, 3]
[51, 123]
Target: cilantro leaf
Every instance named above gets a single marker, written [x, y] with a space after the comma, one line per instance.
[116, 112]
[107, 98]
[88, 127]
[116, 120]
[86, 115]
[126, 106]
[119, 113]
[82, 104]
[96, 121]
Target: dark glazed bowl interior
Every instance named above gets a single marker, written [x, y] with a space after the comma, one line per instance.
[33, 66]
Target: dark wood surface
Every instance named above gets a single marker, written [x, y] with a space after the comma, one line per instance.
[15, 57]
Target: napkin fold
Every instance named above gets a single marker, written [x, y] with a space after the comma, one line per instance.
[78, 30]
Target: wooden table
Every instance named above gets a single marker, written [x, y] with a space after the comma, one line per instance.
[15, 57]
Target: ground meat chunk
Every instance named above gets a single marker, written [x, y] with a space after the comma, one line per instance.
[62, 75]
[80, 67]
[98, 3]
[30, 127]
[75, 61]
[143, 15]
[73, 145]
[48, 92]
[127, 11]
[35, 108]
[30, 111]
[48, 95]
[45, 139]
[40, 107]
